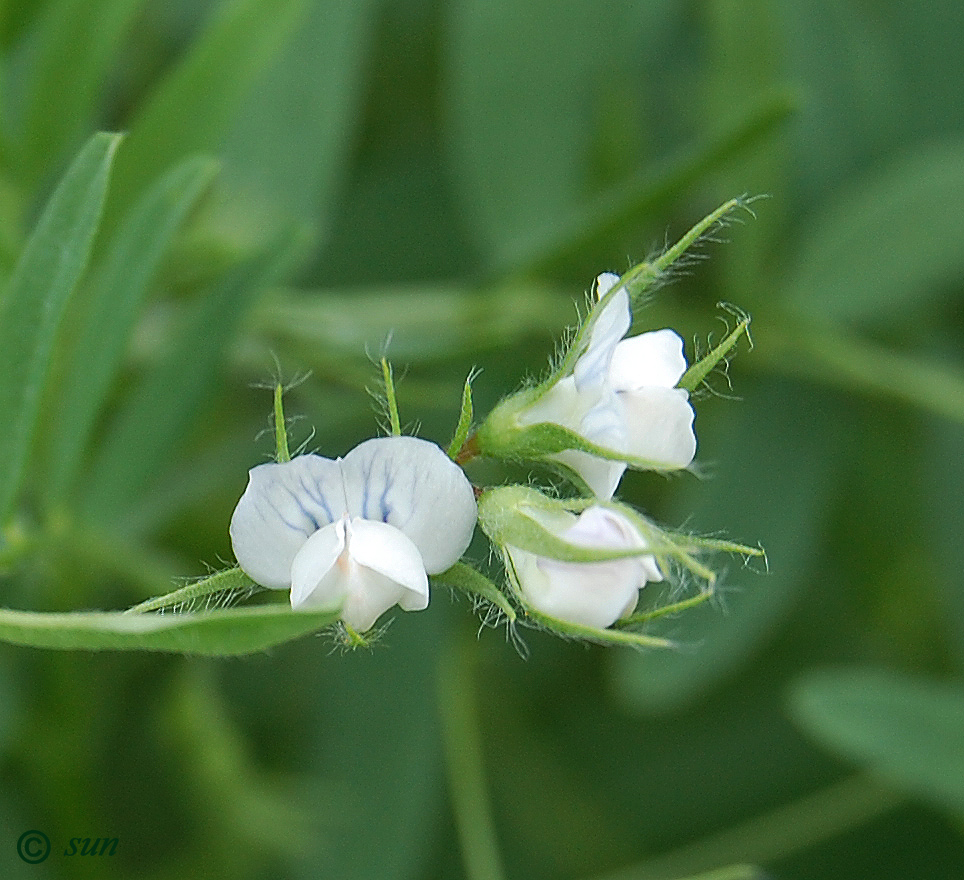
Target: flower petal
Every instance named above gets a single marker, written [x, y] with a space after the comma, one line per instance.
[601, 475]
[591, 593]
[608, 328]
[562, 405]
[654, 358]
[604, 283]
[388, 552]
[414, 486]
[365, 567]
[660, 422]
[283, 504]
[319, 572]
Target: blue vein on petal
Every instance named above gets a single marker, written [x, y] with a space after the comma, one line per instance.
[382, 502]
[280, 515]
[307, 513]
[365, 486]
[318, 498]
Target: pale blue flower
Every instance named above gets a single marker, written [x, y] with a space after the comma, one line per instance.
[361, 532]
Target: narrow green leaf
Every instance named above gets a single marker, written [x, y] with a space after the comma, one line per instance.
[291, 140]
[890, 244]
[216, 590]
[603, 218]
[68, 74]
[907, 730]
[424, 322]
[193, 106]
[944, 461]
[36, 297]
[110, 306]
[520, 153]
[851, 361]
[214, 633]
[160, 410]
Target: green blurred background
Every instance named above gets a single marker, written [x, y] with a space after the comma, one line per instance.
[454, 174]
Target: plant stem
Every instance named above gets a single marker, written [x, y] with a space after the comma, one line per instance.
[775, 835]
[464, 764]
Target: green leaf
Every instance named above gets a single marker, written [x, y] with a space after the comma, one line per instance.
[36, 297]
[907, 730]
[68, 74]
[889, 245]
[109, 310]
[520, 153]
[195, 104]
[424, 322]
[160, 411]
[594, 225]
[290, 141]
[216, 633]
[944, 460]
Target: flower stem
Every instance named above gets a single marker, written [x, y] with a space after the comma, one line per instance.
[464, 764]
[775, 835]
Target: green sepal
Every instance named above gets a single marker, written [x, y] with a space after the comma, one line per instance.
[216, 589]
[502, 436]
[639, 280]
[465, 420]
[467, 579]
[520, 516]
[282, 453]
[391, 402]
[698, 372]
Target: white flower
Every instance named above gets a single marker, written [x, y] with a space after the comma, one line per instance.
[360, 532]
[589, 593]
[621, 396]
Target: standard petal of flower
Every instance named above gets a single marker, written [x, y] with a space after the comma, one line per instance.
[413, 485]
[660, 423]
[609, 327]
[654, 358]
[283, 504]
